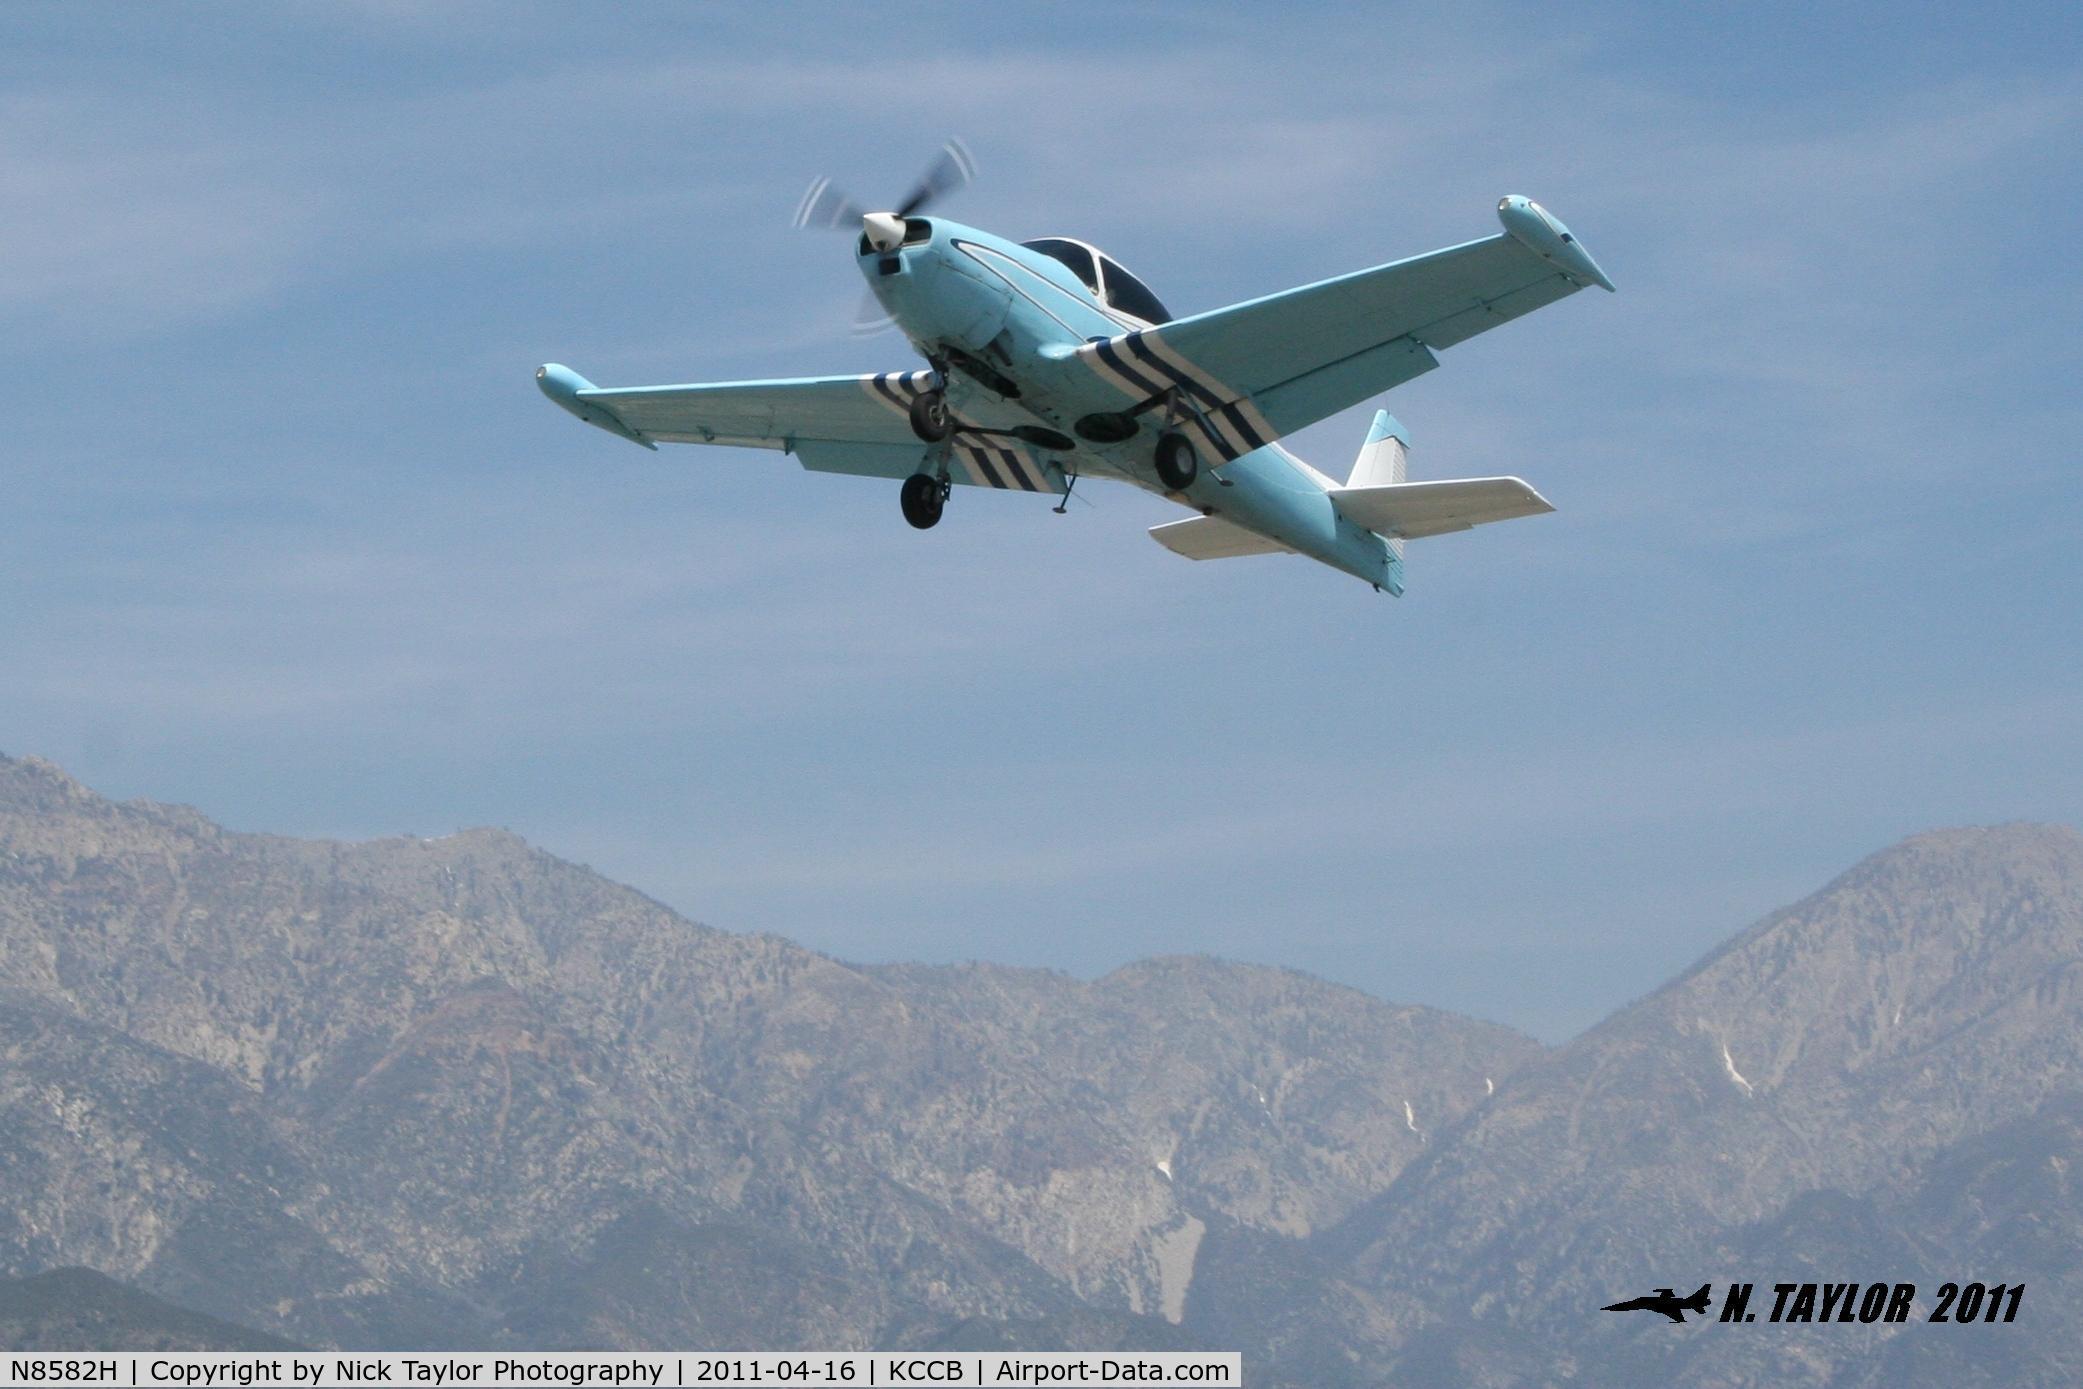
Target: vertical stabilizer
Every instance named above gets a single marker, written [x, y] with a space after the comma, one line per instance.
[1382, 457]
[1381, 463]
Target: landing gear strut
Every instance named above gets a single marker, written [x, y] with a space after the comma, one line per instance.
[923, 498]
[930, 419]
[1177, 464]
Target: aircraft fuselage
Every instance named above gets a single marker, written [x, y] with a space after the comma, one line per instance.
[1002, 324]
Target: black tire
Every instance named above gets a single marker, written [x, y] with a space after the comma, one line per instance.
[923, 498]
[930, 419]
[1177, 464]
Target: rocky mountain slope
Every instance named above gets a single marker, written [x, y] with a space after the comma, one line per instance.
[1880, 1082]
[79, 1309]
[457, 1091]
[460, 1092]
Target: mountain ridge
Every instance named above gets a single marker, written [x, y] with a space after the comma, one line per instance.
[457, 1090]
[567, 1050]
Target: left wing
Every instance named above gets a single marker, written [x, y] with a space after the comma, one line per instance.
[831, 424]
[1253, 372]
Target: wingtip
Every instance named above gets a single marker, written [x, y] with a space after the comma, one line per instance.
[569, 390]
[560, 383]
[1543, 233]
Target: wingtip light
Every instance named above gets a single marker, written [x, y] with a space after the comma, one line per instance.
[1542, 232]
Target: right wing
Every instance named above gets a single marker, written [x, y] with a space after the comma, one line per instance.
[831, 424]
[1256, 371]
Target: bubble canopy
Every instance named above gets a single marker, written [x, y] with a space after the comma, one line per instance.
[1104, 276]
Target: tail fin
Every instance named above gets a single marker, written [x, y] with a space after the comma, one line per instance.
[1698, 1301]
[1383, 456]
[1379, 497]
[1382, 462]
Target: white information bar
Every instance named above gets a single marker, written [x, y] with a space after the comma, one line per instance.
[613, 1369]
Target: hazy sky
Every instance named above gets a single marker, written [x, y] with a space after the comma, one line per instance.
[290, 535]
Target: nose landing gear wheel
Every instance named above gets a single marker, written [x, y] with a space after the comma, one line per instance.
[923, 498]
[1177, 464]
[930, 419]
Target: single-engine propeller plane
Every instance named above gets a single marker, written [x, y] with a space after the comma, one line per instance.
[1048, 363]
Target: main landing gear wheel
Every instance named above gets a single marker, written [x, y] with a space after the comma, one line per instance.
[1177, 464]
[923, 498]
[930, 419]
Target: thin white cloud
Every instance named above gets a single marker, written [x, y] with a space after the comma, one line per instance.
[132, 222]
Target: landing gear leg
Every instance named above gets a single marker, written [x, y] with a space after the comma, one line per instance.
[930, 418]
[1070, 484]
[923, 497]
[1179, 407]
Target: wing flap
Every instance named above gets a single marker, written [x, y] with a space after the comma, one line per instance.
[1211, 537]
[894, 461]
[1322, 393]
[1007, 466]
[1413, 510]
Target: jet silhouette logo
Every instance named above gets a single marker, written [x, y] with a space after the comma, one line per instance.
[1667, 1302]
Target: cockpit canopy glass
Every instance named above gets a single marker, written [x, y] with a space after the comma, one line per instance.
[1130, 295]
[1075, 254]
[1104, 277]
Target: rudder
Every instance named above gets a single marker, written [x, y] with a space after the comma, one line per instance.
[1383, 461]
[1384, 457]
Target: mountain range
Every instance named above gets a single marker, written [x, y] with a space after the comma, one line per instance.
[459, 1092]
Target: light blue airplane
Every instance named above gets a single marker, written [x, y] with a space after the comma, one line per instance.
[1048, 363]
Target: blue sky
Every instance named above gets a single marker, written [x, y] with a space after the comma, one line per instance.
[291, 536]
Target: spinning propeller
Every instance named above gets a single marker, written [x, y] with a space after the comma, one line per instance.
[826, 207]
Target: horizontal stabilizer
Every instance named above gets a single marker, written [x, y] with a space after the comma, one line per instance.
[1211, 537]
[1411, 510]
